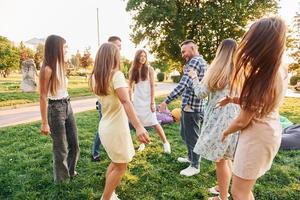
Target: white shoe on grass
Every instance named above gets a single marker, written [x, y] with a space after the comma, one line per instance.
[214, 191]
[190, 171]
[142, 147]
[183, 160]
[167, 148]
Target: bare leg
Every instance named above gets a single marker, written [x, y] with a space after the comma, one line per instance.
[160, 131]
[242, 188]
[223, 177]
[117, 171]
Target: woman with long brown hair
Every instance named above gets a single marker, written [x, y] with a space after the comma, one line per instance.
[56, 111]
[259, 81]
[141, 81]
[109, 84]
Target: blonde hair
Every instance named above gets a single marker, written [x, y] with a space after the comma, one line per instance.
[106, 63]
[220, 71]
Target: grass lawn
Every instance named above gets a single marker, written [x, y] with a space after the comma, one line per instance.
[26, 167]
[11, 94]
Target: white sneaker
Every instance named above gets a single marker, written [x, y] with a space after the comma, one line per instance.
[142, 147]
[183, 160]
[167, 148]
[190, 171]
[214, 191]
[114, 196]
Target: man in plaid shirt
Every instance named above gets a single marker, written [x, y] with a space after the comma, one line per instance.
[192, 107]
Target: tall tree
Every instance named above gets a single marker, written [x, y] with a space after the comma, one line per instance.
[164, 24]
[25, 52]
[39, 55]
[294, 44]
[86, 59]
[9, 57]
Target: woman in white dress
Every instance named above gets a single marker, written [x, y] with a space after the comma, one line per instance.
[141, 81]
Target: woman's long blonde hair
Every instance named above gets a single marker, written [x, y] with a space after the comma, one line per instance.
[220, 71]
[107, 61]
[257, 63]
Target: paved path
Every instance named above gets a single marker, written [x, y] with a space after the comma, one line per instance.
[291, 93]
[26, 114]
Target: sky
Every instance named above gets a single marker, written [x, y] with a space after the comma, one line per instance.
[76, 21]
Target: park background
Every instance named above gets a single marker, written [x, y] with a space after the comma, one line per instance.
[158, 27]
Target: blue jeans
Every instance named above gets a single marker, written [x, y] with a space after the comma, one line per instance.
[97, 142]
[190, 125]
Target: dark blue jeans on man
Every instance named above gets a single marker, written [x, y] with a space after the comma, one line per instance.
[97, 142]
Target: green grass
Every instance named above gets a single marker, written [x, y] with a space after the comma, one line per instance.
[11, 94]
[26, 167]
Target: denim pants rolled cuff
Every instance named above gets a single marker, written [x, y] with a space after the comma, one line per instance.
[195, 160]
[60, 175]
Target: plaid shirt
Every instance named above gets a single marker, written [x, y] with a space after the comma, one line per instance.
[185, 88]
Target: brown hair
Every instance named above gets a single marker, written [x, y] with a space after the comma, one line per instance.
[114, 38]
[134, 71]
[220, 71]
[187, 42]
[107, 61]
[54, 54]
[257, 62]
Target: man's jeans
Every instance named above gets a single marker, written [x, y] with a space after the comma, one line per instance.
[64, 138]
[97, 142]
[190, 125]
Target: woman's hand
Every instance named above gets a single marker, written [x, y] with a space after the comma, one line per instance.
[193, 73]
[152, 107]
[223, 102]
[142, 135]
[45, 129]
[224, 135]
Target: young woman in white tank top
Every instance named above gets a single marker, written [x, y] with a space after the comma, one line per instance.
[56, 111]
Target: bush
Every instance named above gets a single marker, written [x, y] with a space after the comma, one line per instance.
[176, 78]
[161, 76]
[294, 79]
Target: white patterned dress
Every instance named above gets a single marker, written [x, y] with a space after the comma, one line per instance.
[215, 121]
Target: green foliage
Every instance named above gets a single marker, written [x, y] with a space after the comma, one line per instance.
[125, 66]
[25, 53]
[165, 24]
[39, 55]
[11, 94]
[161, 65]
[293, 45]
[294, 79]
[26, 167]
[176, 78]
[161, 76]
[86, 60]
[9, 57]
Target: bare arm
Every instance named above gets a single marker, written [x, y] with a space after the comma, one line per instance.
[45, 75]
[226, 100]
[123, 96]
[241, 122]
[130, 89]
